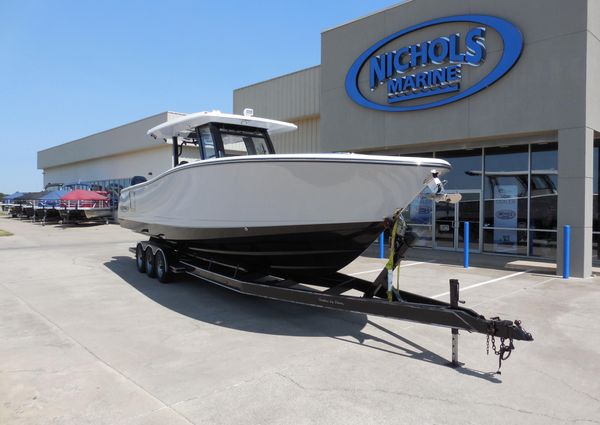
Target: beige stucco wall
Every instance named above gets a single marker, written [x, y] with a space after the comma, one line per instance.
[293, 98]
[124, 139]
[139, 163]
[304, 140]
[544, 91]
[289, 97]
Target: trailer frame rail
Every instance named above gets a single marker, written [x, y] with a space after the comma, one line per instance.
[336, 291]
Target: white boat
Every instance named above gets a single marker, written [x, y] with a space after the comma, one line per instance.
[244, 205]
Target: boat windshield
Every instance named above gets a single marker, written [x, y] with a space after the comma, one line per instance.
[239, 143]
[222, 140]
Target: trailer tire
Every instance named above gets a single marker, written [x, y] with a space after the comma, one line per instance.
[140, 260]
[161, 266]
[149, 262]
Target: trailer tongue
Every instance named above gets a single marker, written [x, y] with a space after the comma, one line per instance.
[162, 259]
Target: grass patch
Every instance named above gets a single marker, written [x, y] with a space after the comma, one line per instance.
[5, 233]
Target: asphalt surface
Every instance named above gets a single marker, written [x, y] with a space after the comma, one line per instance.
[85, 338]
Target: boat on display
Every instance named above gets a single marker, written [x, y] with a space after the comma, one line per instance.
[23, 206]
[281, 226]
[84, 205]
[47, 206]
[288, 214]
[8, 201]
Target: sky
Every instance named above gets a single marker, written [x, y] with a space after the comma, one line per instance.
[69, 69]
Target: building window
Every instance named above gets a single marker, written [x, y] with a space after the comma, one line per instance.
[506, 189]
[542, 244]
[465, 178]
[543, 203]
[595, 214]
[509, 197]
[466, 169]
[418, 216]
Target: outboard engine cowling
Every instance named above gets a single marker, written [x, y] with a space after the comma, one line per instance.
[138, 180]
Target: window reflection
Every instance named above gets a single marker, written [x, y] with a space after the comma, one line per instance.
[544, 184]
[595, 218]
[423, 233]
[520, 197]
[505, 241]
[112, 187]
[419, 210]
[466, 169]
[542, 244]
[505, 191]
[418, 217]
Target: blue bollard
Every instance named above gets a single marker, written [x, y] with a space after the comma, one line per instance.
[466, 243]
[566, 251]
[381, 246]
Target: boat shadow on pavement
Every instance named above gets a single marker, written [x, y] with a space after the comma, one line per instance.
[210, 303]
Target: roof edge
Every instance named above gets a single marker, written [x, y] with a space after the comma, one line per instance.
[111, 129]
[366, 16]
[277, 78]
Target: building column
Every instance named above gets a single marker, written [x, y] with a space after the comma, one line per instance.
[575, 197]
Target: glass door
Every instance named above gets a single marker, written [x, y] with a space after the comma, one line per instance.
[445, 218]
[450, 222]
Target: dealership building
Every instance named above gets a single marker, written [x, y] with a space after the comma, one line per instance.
[505, 91]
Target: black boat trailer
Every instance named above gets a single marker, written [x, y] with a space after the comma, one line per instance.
[163, 259]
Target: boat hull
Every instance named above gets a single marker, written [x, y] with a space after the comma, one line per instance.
[292, 213]
[82, 214]
[283, 251]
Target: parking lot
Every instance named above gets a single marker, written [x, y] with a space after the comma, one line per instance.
[88, 339]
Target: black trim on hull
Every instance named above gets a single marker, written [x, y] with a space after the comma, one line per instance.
[286, 250]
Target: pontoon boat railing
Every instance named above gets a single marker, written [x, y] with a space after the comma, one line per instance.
[83, 204]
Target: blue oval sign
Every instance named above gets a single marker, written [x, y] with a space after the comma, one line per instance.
[392, 67]
[506, 214]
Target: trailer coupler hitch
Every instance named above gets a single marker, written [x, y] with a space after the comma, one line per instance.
[506, 330]
[512, 330]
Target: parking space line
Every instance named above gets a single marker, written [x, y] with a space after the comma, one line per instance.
[516, 291]
[487, 282]
[416, 263]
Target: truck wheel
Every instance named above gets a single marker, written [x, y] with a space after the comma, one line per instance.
[149, 257]
[162, 267]
[140, 261]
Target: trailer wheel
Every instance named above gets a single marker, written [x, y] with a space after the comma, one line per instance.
[162, 267]
[149, 257]
[140, 260]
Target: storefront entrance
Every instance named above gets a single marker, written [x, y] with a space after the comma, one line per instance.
[450, 222]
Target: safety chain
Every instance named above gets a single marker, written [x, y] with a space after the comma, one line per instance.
[505, 348]
[503, 353]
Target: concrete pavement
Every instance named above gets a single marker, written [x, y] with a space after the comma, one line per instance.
[87, 339]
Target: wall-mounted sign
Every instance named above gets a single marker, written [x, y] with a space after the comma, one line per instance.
[433, 67]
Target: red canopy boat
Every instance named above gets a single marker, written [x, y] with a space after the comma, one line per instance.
[82, 204]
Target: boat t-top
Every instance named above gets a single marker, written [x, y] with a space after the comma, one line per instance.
[244, 205]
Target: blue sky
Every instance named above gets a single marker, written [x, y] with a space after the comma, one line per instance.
[73, 68]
